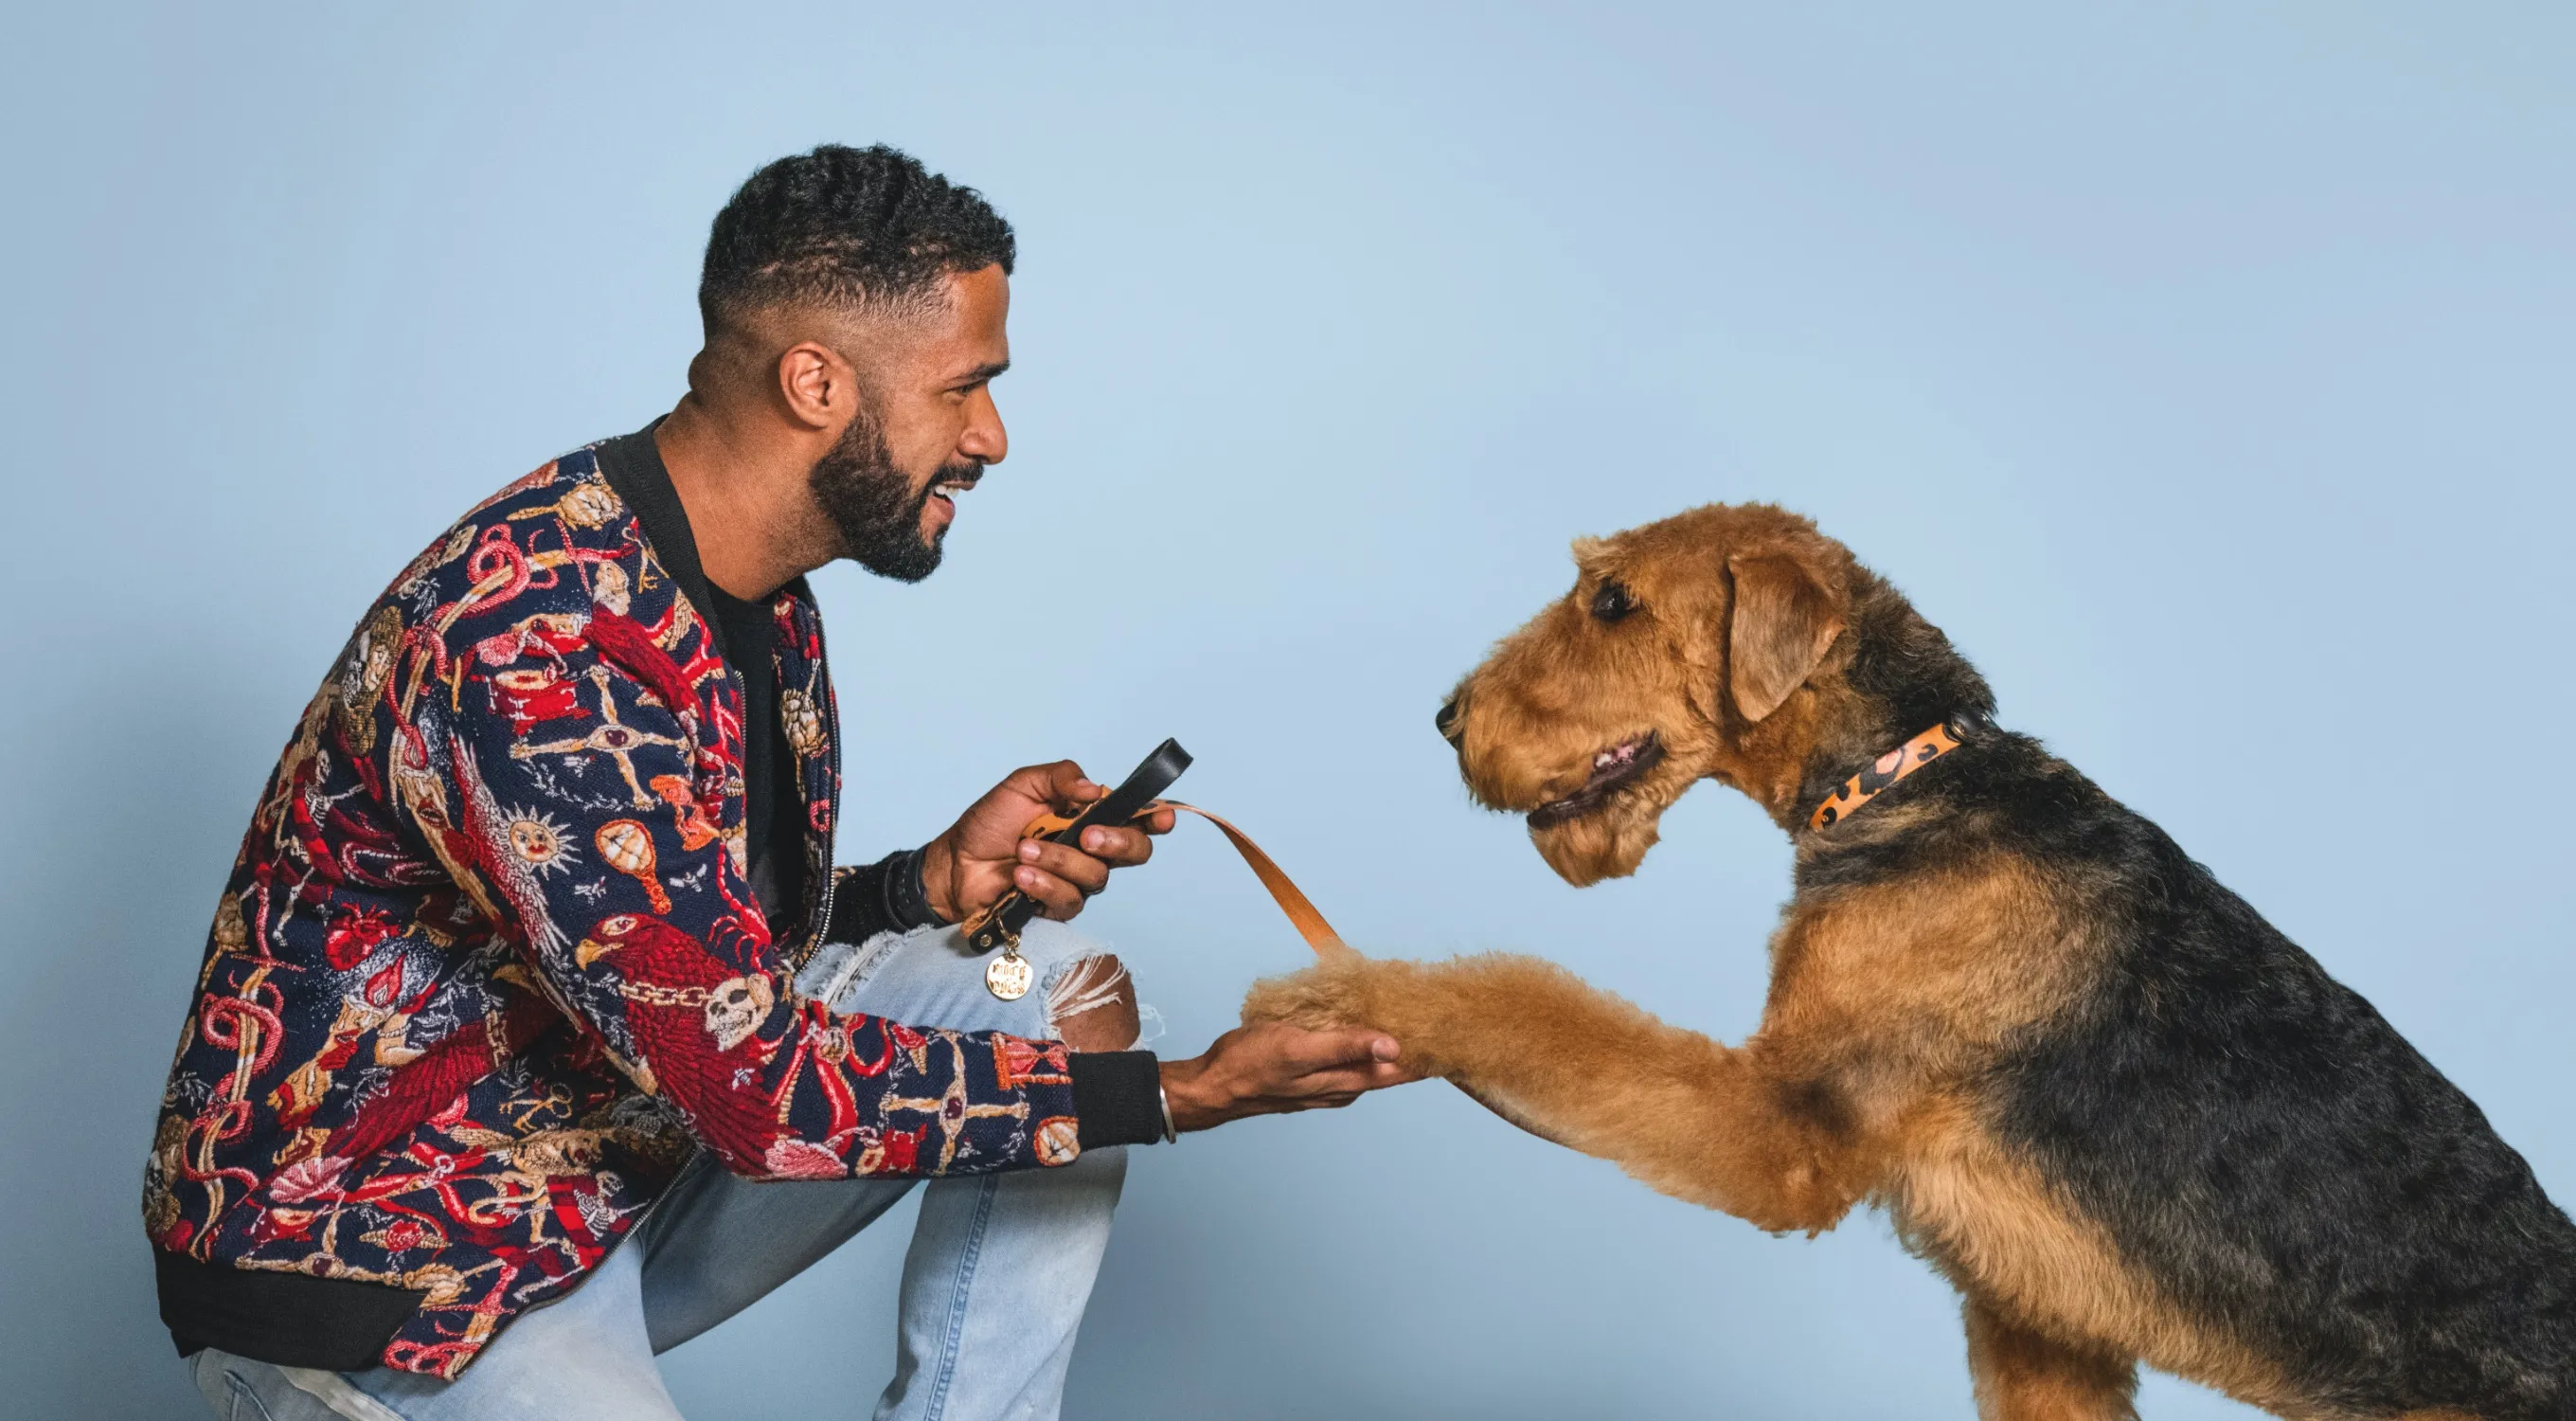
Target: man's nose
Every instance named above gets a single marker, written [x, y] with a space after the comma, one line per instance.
[984, 439]
[1447, 724]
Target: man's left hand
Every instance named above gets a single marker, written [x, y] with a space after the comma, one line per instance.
[983, 856]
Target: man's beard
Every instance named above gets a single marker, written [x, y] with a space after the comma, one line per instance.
[876, 509]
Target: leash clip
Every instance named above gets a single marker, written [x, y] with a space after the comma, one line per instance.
[986, 930]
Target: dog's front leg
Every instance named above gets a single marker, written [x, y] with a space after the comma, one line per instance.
[1682, 1113]
[2024, 1375]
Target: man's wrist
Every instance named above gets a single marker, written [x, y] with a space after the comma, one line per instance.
[1182, 1107]
[935, 869]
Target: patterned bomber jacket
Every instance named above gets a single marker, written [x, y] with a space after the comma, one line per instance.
[487, 968]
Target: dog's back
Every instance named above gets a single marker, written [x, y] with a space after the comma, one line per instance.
[2254, 1136]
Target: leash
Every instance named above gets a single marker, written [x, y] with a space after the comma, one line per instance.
[1008, 976]
[1292, 901]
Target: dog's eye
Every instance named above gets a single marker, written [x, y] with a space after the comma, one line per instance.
[1612, 602]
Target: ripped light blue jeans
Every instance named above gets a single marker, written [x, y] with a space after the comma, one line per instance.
[993, 1289]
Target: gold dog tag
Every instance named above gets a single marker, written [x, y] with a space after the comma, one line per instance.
[1008, 976]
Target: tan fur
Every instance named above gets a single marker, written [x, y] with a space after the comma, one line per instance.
[1680, 1112]
[2023, 1375]
[1885, 1003]
[1784, 622]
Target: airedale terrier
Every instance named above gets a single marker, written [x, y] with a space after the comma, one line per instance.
[2128, 1118]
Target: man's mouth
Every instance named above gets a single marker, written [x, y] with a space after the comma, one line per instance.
[1613, 770]
[946, 490]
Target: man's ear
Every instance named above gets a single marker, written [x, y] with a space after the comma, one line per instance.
[815, 384]
[1784, 621]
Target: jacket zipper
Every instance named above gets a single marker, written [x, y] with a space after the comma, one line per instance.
[827, 710]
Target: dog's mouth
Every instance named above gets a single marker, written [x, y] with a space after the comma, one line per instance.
[1613, 770]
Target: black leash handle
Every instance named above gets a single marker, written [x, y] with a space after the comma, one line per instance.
[1002, 922]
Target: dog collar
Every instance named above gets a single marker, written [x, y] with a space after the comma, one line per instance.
[1887, 769]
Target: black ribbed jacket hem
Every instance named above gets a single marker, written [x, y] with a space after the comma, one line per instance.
[283, 1319]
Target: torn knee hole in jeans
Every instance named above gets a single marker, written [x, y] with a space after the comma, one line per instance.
[1097, 984]
[1086, 984]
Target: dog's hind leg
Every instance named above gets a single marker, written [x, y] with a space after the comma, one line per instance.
[2023, 1375]
[1682, 1113]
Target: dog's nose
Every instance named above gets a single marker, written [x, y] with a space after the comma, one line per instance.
[1447, 724]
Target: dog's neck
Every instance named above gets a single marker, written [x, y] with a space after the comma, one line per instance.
[1890, 677]
[1806, 749]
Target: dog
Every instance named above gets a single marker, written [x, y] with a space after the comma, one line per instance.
[2126, 1117]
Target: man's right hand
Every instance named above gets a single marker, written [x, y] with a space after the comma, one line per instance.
[1275, 1067]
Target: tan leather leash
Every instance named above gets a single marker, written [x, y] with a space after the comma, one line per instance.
[1301, 910]
[1284, 891]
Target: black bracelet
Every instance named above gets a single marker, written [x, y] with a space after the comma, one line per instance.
[906, 901]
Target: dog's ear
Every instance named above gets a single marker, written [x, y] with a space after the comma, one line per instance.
[1784, 621]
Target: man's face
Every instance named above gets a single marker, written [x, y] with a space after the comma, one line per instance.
[925, 432]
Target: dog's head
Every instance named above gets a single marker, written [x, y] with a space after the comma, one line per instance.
[1718, 643]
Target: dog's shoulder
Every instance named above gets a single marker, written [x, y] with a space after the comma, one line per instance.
[1936, 929]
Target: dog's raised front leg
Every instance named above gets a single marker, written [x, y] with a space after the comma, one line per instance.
[2023, 1375]
[1682, 1113]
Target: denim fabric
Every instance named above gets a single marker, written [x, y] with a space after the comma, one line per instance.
[994, 1286]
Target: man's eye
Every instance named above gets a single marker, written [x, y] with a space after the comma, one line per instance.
[1612, 602]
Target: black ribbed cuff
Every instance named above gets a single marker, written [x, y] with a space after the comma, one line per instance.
[1117, 1098]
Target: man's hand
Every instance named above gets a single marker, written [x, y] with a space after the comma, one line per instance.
[1275, 1067]
[982, 856]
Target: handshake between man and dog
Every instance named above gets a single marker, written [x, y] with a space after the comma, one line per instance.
[2123, 1114]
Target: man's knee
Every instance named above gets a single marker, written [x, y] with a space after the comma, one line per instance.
[1092, 1004]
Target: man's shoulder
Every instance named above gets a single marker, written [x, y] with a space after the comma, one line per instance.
[564, 503]
[549, 575]
[534, 546]
[544, 487]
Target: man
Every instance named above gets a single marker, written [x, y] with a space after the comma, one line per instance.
[536, 1032]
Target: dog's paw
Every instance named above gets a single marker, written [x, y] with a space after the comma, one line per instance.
[1330, 996]
[1430, 1008]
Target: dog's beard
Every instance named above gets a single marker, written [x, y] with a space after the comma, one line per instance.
[875, 508]
[1607, 843]
[1611, 840]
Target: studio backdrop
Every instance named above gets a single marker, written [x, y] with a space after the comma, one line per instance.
[2203, 370]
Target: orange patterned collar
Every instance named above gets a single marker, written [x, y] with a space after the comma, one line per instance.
[1886, 770]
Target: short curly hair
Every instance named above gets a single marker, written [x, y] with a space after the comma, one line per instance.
[852, 227]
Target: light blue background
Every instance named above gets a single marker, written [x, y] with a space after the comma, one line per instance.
[2204, 369]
